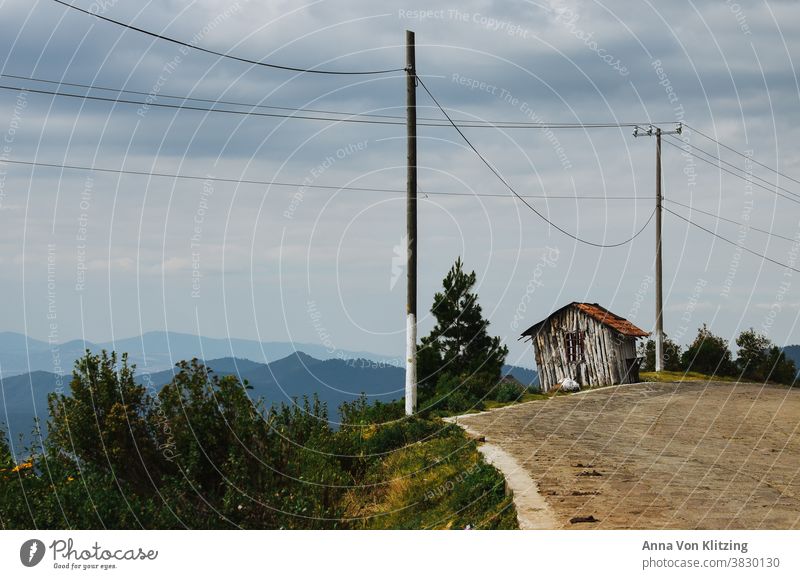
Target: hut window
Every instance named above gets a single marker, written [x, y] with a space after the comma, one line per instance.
[574, 346]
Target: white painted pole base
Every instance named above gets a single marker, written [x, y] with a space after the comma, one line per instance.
[411, 364]
[659, 352]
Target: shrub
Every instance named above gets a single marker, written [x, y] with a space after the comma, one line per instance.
[508, 391]
[5, 451]
[454, 394]
[672, 356]
[104, 421]
[709, 354]
[760, 359]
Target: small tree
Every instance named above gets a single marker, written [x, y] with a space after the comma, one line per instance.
[779, 368]
[760, 359]
[672, 356]
[459, 343]
[753, 353]
[103, 422]
[709, 354]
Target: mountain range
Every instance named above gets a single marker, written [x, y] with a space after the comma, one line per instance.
[793, 353]
[335, 380]
[156, 351]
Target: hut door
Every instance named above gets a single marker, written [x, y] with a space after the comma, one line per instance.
[632, 370]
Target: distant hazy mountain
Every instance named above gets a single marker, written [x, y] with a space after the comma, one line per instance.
[155, 351]
[525, 375]
[334, 381]
[793, 353]
[23, 398]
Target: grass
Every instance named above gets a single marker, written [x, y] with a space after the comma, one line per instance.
[488, 404]
[666, 376]
[442, 483]
[527, 397]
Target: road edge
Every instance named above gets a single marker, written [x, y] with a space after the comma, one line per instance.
[533, 510]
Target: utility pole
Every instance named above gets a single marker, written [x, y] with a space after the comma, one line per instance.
[411, 225]
[649, 132]
[659, 302]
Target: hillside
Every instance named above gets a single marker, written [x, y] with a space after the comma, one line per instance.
[24, 396]
[793, 353]
[287, 470]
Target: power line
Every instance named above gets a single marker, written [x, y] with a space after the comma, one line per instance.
[191, 98]
[724, 146]
[713, 164]
[739, 223]
[200, 109]
[348, 117]
[249, 105]
[747, 175]
[303, 185]
[230, 56]
[517, 195]
[747, 249]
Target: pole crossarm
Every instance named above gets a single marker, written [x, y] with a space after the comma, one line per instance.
[651, 130]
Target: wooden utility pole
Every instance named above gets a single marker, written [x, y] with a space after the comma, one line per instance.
[411, 225]
[649, 132]
[659, 303]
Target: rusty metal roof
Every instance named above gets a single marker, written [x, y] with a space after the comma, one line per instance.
[600, 314]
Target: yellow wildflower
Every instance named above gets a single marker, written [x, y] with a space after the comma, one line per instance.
[22, 466]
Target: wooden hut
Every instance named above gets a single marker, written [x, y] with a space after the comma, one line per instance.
[586, 343]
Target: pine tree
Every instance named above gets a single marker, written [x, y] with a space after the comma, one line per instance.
[459, 344]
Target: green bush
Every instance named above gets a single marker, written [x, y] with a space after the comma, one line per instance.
[508, 391]
[104, 421]
[672, 356]
[5, 451]
[452, 395]
[709, 354]
[199, 454]
[759, 359]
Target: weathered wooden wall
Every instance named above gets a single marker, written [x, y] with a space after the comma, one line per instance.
[604, 357]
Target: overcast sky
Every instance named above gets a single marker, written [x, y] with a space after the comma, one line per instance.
[275, 263]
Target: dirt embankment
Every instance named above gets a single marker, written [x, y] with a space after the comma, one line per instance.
[692, 455]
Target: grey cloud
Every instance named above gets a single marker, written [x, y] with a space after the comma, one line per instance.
[247, 228]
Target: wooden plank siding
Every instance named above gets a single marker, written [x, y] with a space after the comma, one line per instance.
[605, 351]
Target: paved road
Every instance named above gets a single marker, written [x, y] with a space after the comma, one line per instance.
[692, 455]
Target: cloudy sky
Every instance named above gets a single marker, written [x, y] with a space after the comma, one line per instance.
[106, 256]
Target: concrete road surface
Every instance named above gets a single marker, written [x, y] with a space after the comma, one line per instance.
[692, 455]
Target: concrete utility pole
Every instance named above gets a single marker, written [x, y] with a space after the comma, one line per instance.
[649, 132]
[411, 225]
